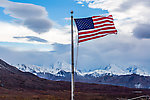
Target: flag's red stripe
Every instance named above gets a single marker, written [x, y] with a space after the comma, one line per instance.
[92, 38]
[103, 25]
[102, 18]
[108, 32]
[96, 16]
[106, 28]
[95, 23]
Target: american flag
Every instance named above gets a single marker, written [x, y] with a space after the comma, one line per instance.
[94, 27]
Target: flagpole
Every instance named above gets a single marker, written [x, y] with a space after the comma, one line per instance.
[72, 56]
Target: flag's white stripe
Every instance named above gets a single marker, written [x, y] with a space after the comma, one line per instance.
[96, 28]
[104, 24]
[102, 17]
[93, 36]
[102, 20]
[98, 24]
[98, 32]
[110, 16]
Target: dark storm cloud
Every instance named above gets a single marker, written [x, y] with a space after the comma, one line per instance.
[142, 31]
[32, 16]
[33, 38]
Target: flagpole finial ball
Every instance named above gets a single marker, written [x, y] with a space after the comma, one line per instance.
[71, 12]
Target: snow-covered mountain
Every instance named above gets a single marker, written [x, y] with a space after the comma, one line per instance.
[113, 69]
[129, 76]
[52, 69]
[58, 66]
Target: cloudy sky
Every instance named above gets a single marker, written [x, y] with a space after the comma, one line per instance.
[38, 32]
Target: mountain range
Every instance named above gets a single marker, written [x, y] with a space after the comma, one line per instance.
[18, 85]
[128, 76]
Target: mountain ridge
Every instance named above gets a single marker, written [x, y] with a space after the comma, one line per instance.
[110, 69]
[18, 85]
[132, 76]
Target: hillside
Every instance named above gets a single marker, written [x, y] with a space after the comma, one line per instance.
[17, 85]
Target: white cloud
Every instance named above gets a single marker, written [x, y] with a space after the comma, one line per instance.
[130, 45]
[79, 2]
[29, 20]
[31, 16]
[114, 49]
[123, 48]
[92, 54]
[128, 13]
[55, 35]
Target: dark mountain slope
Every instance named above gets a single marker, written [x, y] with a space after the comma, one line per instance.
[17, 85]
[11, 77]
[131, 81]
